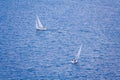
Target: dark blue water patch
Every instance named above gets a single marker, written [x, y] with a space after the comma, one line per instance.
[3, 18]
[110, 75]
[13, 72]
[97, 51]
[86, 31]
[32, 70]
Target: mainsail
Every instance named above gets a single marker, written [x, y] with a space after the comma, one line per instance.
[78, 54]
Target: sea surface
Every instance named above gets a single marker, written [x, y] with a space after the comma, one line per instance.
[28, 54]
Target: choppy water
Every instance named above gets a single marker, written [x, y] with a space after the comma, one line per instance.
[27, 54]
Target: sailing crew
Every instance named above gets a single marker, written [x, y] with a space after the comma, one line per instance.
[74, 61]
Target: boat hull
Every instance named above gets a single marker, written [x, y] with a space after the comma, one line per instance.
[74, 61]
[41, 29]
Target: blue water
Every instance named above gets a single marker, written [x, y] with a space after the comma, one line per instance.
[27, 54]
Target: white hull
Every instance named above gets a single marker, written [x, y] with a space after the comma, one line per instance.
[74, 61]
[42, 29]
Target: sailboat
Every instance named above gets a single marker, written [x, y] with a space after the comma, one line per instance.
[39, 25]
[77, 56]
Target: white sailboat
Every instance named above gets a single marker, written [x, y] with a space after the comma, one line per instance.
[77, 56]
[39, 25]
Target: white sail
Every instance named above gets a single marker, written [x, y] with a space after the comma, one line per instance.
[39, 25]
[78, 54]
